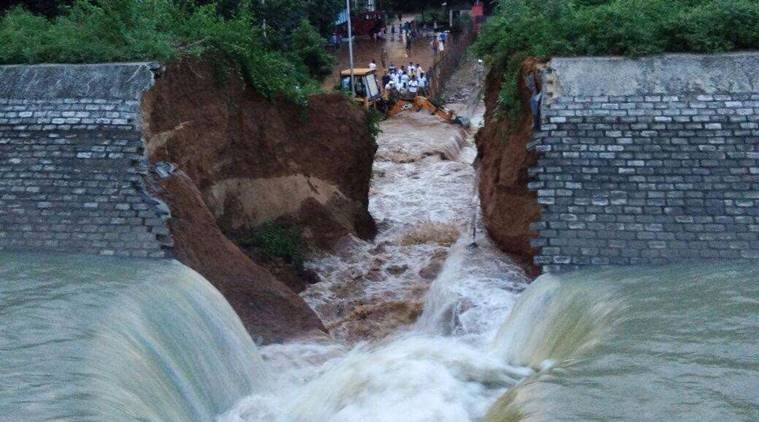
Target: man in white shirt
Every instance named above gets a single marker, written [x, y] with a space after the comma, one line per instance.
[413, 86]
[373, 65]
[404, 81]
[396, 79]
[423, 83]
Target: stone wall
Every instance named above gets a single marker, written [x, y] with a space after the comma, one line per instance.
[72, 162]
[648, 161]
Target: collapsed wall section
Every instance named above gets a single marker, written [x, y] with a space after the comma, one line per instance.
[71, 161]
[647, 161]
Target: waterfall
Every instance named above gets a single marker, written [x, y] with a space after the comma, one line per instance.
[88, 338]
[674, 342]
[555, 320]
[109, 339]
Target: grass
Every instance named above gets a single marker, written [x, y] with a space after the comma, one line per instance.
[277, 241]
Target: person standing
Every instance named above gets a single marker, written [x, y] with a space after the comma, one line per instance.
[423, 83]
[434, 46]
[383, 58]
[408, 46]
[373, 65]
[413, 86]
[404, 81]
[385, 79]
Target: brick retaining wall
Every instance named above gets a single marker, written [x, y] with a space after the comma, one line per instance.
[648, 161]
[72, 163]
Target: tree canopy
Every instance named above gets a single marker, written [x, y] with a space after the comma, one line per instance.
[545, 28]
[287, 56]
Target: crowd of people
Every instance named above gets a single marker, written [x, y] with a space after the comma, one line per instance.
[406, 81]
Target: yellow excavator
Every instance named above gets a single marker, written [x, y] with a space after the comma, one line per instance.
[368, 94]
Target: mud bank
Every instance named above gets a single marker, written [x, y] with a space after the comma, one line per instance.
[269, 310]
[244, 160]
[508, 206]
[255, 160]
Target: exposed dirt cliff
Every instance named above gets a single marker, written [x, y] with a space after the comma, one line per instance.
[268, 308]
[243, 161]
[508, 207]
[255, 161]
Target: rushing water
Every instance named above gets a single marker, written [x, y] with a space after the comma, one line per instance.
[384, 362]
[424, 326]
[107, 339]
[666, 343]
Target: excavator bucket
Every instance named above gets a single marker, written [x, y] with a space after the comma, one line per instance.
[419, 103]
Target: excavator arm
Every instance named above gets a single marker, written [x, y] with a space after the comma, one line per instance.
[421, 103]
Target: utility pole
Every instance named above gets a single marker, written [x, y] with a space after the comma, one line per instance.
[350, 46]
[263, 25]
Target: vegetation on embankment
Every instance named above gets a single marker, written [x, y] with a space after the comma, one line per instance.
[285, 57]
[545, 28]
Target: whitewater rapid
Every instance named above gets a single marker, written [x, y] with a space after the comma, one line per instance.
[423, 326]
[95, 339]
[405, 345]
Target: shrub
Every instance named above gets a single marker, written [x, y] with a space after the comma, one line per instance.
[277, 241]
[310, 49]
[373, 118]
[547, 28]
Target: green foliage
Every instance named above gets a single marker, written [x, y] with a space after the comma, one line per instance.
[124, 30]
[43, 7]
[545, 28]
[323, 13]
[408, 5]
[373, 119]
[277, 241]
[435, 14]
[310, 49]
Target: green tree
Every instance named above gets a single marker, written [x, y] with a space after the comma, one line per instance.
[545, 28]
[310, 48]
[323, 13]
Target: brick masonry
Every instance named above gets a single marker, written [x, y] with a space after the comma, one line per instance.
[648, 161]
[72, 162]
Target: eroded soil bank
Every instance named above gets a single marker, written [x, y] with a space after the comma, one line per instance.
[243, 161]
[255, 160]
[267, 307]
[508, 207]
